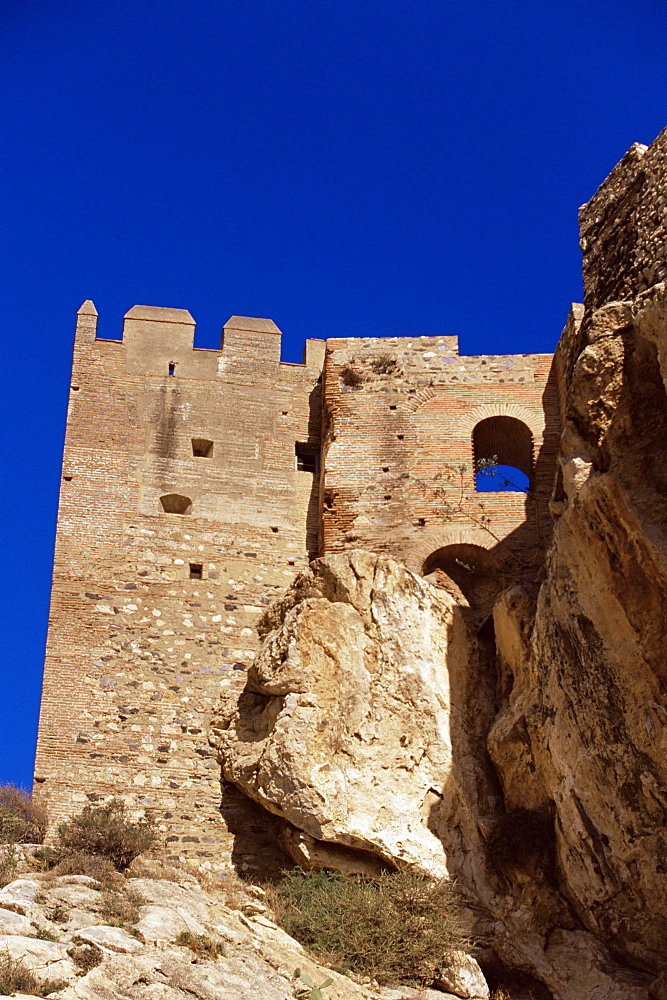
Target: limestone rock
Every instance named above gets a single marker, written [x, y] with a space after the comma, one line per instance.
[111, 939]
[463, 977]
[14, 923]
[46, 959]
[582, 736]
[19, 895]
[346, 726]
[163, 923]
[258, 961]
[364, 724]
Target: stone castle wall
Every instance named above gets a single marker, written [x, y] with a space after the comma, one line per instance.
[152, 612]
[398, 447]
[624, 227]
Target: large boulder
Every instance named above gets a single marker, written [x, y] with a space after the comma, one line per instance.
[351, 708]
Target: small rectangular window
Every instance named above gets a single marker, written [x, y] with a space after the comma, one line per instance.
[196, 571]
[172, 368]
[307, 457]
[202, 448]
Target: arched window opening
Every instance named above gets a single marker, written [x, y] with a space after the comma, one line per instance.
[175, 503]
[474, 570]
[502, 450]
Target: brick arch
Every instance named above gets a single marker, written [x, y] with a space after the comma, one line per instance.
[467, 422]
[415, 552]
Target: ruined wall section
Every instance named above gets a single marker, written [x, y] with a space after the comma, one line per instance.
[153, 613]
[624, 227]
[399, 415]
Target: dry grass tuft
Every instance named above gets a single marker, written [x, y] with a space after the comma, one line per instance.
[121, 908]
[85, 956]
[92, 865]
[201, 945]
[15, 977]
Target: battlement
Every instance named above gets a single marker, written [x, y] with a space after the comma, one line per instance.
[437, 358]
[160, 341]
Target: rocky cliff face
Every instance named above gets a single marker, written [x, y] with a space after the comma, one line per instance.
[364, 726]
[364, 720]
[584, 733]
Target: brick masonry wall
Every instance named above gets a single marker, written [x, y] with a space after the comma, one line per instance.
[138, 651]
[397, 448]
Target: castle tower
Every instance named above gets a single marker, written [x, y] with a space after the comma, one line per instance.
[189, 501]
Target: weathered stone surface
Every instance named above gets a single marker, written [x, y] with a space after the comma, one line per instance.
[163, 923]
[46, 959]
[345, 727]
[370, 680]
[91, 883]
[585, 730]
[111, 939]
[258, 961]
[464, 978]
[14, 923]
[19, 895]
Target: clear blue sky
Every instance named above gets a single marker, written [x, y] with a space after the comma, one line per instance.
[345, 167]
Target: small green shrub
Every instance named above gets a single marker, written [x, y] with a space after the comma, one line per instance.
[201, 945]
[396, 927]
[59, 914]
[15, 977]
[350, 376]
[43, 935]
[384, 365]
[22, 821]
[46, 857]
[311, 991]
[106, 831]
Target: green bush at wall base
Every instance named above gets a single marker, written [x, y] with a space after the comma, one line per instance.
[106, 831]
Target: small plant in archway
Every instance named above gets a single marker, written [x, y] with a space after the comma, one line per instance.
[456, 495]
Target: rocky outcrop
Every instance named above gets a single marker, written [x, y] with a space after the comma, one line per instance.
[378, 725]
[585, 732]
[72, 945]
[350, 716]
[364, 726]
[582, 737]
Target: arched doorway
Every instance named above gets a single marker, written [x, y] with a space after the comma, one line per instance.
[474, 570]
[502, 449]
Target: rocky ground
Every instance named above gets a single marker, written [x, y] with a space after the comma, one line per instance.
[94, 940]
